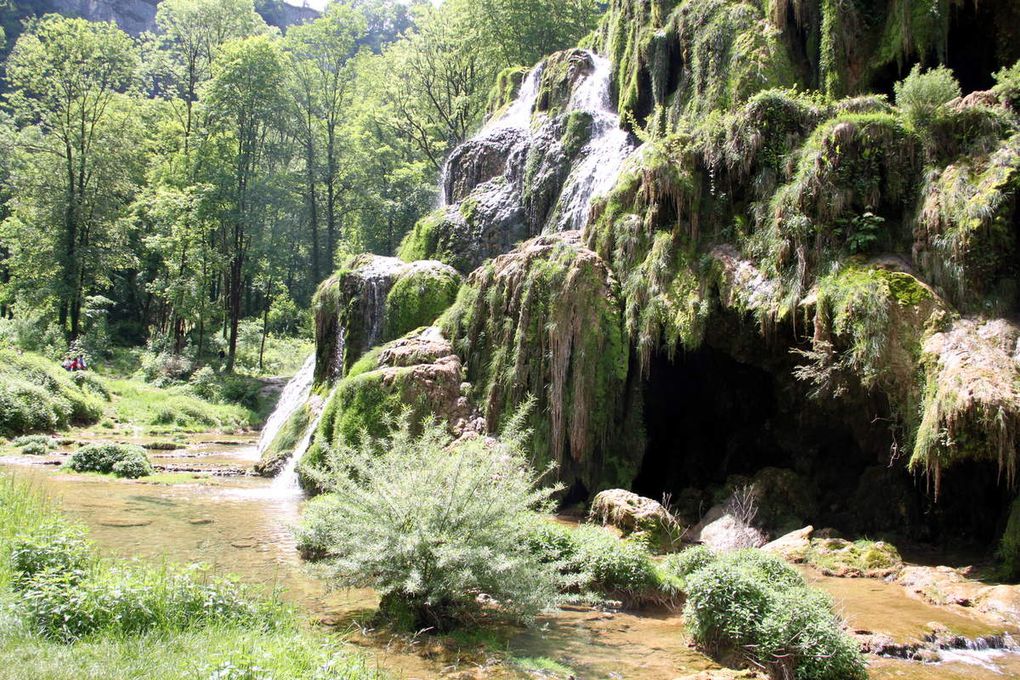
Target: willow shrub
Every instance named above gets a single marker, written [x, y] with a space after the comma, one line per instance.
[755, 604]
[122, 460]
[433, 524]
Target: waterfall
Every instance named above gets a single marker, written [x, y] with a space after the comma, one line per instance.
[291, 399]
[518, 114]
[603, 156]
[286, 483]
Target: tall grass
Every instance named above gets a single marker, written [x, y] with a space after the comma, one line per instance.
[65, 612]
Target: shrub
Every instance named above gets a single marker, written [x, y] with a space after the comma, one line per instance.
[34, 449]
[34, 444]
[594, 564]
[1007, 85]
[431, 525]
[54, 547]
[205, 383]
[122, 460]
[37, 395]
[755, 604]
[679, 566]
[923, 93]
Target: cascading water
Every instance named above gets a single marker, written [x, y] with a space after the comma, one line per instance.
[294, 395]
[602, 157]
[287, 483]
[518, 114]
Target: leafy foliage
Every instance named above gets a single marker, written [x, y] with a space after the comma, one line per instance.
[121, 460]
[431, 525]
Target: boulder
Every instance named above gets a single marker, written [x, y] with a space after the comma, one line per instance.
[722, 531]
[793, 545]
[637, 517]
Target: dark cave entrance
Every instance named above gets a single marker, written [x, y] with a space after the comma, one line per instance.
[971, 54]
[706, 416]
[714, 415]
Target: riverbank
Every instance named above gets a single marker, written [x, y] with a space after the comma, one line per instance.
[236, 523]
[70, 611]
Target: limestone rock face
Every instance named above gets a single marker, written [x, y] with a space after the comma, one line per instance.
[373, 299]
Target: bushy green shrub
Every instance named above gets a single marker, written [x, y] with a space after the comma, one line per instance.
[430, 525]
[38, 395]
[594, 564]
[55, 547]
[923, 93]
[205, 383]
[34, 444]
[679, 566]
[123, 460]
[165, 367]
[755, 604]
[1007, 85]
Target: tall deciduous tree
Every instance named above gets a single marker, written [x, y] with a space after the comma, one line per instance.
[320, 53]
[67, 79]
[246, 96]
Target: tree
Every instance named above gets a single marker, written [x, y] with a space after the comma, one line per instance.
[191, 32]
[320, 53]
[68, 81]
[521, 32]
[246, 98]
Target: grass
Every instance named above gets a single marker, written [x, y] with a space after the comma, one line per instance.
[173, 409]
[65, 612]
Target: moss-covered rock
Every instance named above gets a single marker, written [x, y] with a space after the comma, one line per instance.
[971, 408]
[372, 299]
[544, 320]
[418, 372]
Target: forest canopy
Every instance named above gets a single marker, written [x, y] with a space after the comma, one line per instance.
[216, 169]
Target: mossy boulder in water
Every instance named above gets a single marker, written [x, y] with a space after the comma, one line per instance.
[638, 518]
[373, 299]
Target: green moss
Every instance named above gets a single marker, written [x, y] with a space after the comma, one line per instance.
[417, 298]
[576, 133]
[852, 558]
[544, 320]
[504, 91]
[966, 224]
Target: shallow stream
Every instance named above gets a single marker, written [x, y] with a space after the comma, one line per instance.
[242, 525]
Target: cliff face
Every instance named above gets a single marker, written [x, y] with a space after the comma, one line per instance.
[779, 269]
[137, 16]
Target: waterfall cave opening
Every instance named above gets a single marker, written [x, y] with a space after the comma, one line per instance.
[709, 416]
[706, 416]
